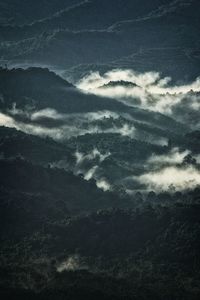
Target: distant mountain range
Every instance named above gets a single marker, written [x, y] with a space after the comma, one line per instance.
[99, 149]
[106, 139]
[74, 36]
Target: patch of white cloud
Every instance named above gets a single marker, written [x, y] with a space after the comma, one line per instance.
[73, 127]
[73, 123]
[124, 130]
[90, 116]
[171, 178]
[72, 263]
[103, 184]
[158, 141]
[195, 102]
[175, 156]
[9, 121]
[94, 154]
[197, 157]
[14, 111]
[90, 173]
[167, 172]
[93, 157]
[47, 113]
[79, 157]
[78, 124]
[152, 91]
[51, 113]
[62, 164]
[95, 80]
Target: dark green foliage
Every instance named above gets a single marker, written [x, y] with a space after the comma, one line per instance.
[61, 237]
[151, 254]
[192, 141]
[38, 88]
[31, 191]
[144, 246]
[43, 151]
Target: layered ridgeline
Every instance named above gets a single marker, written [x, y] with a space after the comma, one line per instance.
[99, 149]
[99, 195]
[158, 35]
[74, 240]
[116, 142]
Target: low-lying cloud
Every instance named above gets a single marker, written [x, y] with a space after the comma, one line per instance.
[170, 172]
[103, 184]
[88, 164]
[174, 157]
[171, 178]
[148, 90]
[72, 263]
[73, 124]
[8, 121]
[94, 154]
[32, 114]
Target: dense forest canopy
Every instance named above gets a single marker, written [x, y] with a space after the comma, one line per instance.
[100, 149]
